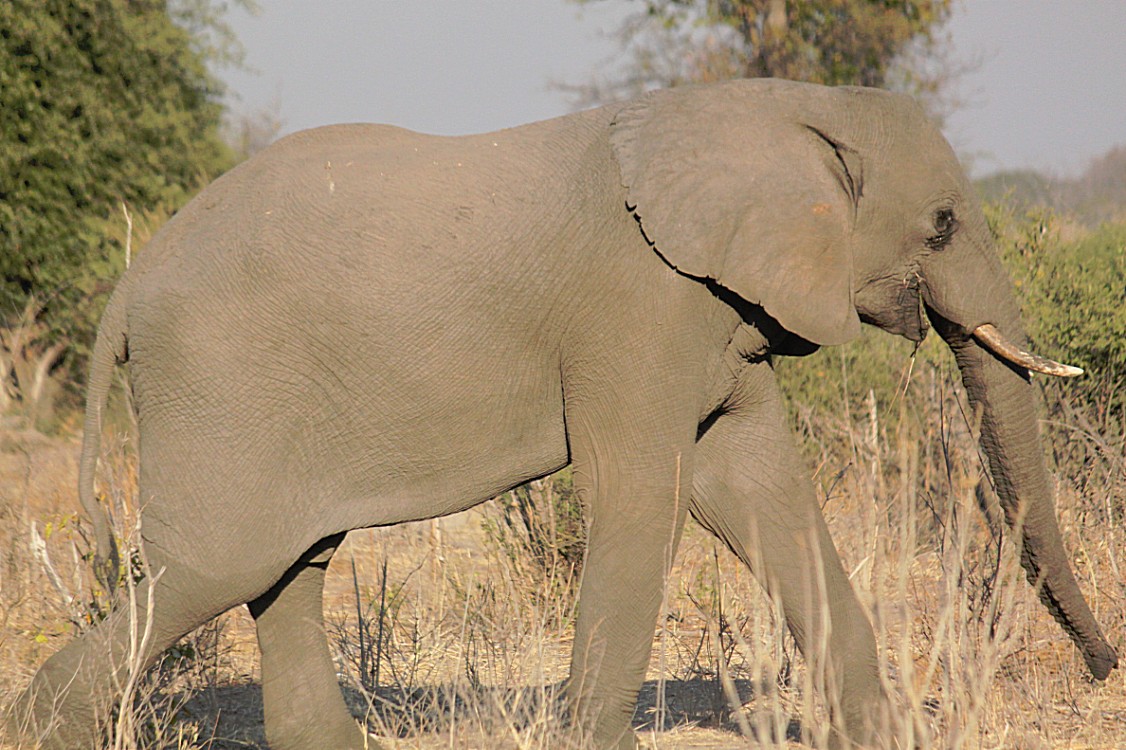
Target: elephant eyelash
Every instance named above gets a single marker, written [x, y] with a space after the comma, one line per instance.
[946, 225]
[939, 241]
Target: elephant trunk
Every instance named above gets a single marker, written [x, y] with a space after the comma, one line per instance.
[1001, 393]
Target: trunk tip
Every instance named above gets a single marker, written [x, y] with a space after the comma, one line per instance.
[1101, 661]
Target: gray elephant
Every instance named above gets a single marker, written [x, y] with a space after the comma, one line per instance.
[363, 326]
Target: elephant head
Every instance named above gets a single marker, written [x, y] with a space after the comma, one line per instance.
[832, 207]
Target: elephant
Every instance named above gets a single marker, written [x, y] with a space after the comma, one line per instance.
[362, 326]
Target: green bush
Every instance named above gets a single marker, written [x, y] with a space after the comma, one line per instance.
[1072, 295]
[104, 105]
[875, 362]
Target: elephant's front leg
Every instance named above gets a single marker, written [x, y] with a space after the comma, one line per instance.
[751, 491]
[632, 469]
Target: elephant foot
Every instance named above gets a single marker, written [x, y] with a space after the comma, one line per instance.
[628, 741]
[872, 728]
[338, 735]
[614, 736]
[857, 740]
[47, 717]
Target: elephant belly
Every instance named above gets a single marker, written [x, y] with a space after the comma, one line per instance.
[330, 462]
[425, 434]
[430, 459]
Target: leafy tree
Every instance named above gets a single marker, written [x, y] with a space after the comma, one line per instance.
[863, 42]
[103, 104]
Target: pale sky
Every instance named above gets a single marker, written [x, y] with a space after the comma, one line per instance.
[1049, 93]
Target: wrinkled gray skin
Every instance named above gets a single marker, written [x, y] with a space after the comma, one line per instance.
[363, 326]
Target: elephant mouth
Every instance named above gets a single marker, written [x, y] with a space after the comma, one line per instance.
[893, 307]
[915, 315]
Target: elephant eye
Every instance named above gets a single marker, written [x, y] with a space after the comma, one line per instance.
[945, 224]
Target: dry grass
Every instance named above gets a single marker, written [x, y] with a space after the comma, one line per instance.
[444, 639]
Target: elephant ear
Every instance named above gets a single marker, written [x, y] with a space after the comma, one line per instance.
[730, 184]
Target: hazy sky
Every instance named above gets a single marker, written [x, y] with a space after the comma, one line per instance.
[1049, 92]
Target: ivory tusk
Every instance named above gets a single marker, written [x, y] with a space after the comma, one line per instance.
[991, 338]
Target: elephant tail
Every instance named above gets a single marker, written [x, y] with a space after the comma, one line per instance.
[110, 349]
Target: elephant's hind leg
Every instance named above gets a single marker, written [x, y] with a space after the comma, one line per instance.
[303, 705]
[75, 691]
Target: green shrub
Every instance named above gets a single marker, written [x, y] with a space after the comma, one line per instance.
[1072, 295]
